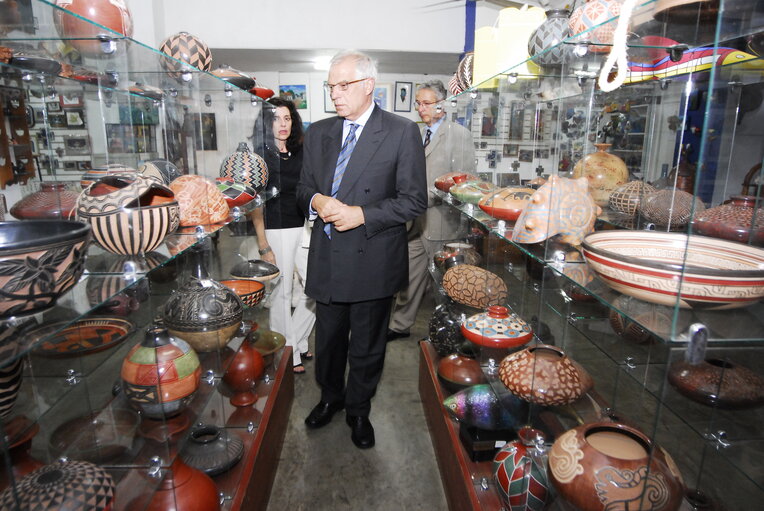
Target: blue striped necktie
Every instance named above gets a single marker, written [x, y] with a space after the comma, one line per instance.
[339, 170]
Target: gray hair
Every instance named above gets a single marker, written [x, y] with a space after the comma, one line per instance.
[365, 66]
[437, 87]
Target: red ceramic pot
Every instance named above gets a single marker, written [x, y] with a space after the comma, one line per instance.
[201, 203]
[718, 383]
[81, 34]
[741, 220]
[469, 253]
[506, 203]
[53, 200]
[446, 181]
[605, 465]
[519, 470]
[457, 372]
[185, 489]
[243, 372]
[497, 328]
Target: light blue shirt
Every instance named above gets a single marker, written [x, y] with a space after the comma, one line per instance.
[433, 129]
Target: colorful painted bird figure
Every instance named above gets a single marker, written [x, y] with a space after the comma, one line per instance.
[480, 406]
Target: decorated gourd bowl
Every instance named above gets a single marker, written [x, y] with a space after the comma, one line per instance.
[670, 207]
[130, 215]
[112, 169]
[250, 291]
[694, 272]
[520, 472]
[200, 201]
[627, 197]
[166, 169]
[497, 328]
[449, 250]
[457, 372]
[506, 203]
[212, 449]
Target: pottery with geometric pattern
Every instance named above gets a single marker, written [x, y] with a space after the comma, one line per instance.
[594, 13]
[545, 44]
[200, 201]
[474, 286]
[246, 167]
[185, 49]
[497, 328]
[519, 469]
[627, 197]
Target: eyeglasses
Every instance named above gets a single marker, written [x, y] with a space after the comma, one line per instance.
[342, 86]
[425, 103]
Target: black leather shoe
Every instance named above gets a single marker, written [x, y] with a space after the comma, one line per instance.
[362, 432]
[322, 414]
[393, 335]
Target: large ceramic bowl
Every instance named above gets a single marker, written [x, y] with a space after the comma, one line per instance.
[650, 265]
[250, 291]
[39, 261]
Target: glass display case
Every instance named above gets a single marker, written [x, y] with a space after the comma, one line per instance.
[645, 270]
[132, 177]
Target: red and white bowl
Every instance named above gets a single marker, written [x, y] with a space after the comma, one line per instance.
[658, 267]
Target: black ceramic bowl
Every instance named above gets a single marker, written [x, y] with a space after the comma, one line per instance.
[255, 269]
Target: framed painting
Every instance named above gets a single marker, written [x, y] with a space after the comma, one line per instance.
[296, 93]
[382, 96]
[403, 95]
[328, 103]
[71, 100]
[76, 145]
[74, 118]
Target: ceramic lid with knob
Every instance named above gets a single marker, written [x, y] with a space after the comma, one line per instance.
[497, 328]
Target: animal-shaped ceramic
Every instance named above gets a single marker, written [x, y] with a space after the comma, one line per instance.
[561, 206]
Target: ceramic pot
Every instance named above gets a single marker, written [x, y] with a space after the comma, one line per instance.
[506, 203]
[718, 383]
[167, 170]
[200, 201]
[445, 329]
[236, 194]
[520, 472]
[471, 191]
[670, 207]
[608, 465]
[11, 365]
[160, 374]
[37, 63]
[482, 407]
[184, 488]
[266, 342]
[212, 450]
[453, 86]
[85, 336]
[82, 34]
[100, 437]
[112, 169]
[255, 269]
[52, 201]
[657, 318]
[594, 13]
[185, 49]
[244, 370]
[446, 181]
[474, 286]
[262, 92]
[464, 71]
[741, 220]
[604, 171]
[234, 77]
[246, 167]
[457, 372]
[467, 251]
[545, 44]
[130, 215]
[70, 485]
[544, 375]
[250, 291]
[626, 198]
[202, 311]
[497, 328]
[40, 261]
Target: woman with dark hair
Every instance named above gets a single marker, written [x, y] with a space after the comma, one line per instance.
[282, 235]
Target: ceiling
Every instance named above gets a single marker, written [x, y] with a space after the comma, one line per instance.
[288, 61]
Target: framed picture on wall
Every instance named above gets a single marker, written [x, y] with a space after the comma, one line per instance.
[328, 103]
[53, 106]
[74, 119]
[296, 93]
[382, 96]
[510, 150]
[74, 145]
[71, 99]
[57, 120]
[403, 93]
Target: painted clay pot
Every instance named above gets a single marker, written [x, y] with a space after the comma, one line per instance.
[244, 370]
[41, 260]
[212, 450]
[670, 207]
[85, 336]
[474, 286]
[561, 207]
[246, 167]
[457, 372]
[545, 44]
[52, 201]
[594, 13]
[506, 203]
[520, 472]
[130, 215]
[544, 375]
[608, 465]
[467, 251]
[70, 485]
[262, 92]
[497, 328]
[445, 329]
[184, 488]
[255, 269]
[626, 198]
[234, 77]
[446, 181]
[82, 34]
[472, 191]
[718, 383]
[167, 170]
[98, 437]
[236, 194]
[741, 220]
[629, 326]
[112, 169]
[604, 171]
[250, 291]
[160, 374]
[453, 86]
[202, 311]
[200, 201]
[185, 49]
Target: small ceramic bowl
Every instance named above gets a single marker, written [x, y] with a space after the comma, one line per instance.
[255, 269]
[251, 292]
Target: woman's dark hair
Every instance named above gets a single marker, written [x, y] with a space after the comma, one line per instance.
[294, 141]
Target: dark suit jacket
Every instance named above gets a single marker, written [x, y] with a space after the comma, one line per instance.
[385, 176]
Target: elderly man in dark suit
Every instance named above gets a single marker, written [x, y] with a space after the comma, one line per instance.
[364, 177]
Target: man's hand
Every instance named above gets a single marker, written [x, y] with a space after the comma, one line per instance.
[325, 206]
[346, 218]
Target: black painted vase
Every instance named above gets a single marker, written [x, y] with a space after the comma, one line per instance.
[212, 450]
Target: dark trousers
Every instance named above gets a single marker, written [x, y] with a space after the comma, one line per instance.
[353, 334]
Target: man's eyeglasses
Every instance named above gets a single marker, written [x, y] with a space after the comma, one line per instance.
[425, 103]
[342, 86]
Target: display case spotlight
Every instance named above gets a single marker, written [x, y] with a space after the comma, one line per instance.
[512, 78]
[581, 49]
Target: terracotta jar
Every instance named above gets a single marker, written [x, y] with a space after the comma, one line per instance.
[474, 286]
[741, 220]
[606, 465]
[185, 48]
[246, 167]
[160, 374]
[212, 450]
[184, 488]
[457, 372]
[53, 200]
[718, 383]
[82, 34]
[543, 374]
[626, 198]
[200, 201]
[506, 203]
[594, 13]
[469, 253]
[497, 328]
[69, 485]
[670, 207]
[604, 171]
[520, 472]
[244, 370]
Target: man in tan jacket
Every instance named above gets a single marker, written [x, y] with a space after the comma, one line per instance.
[448, 147]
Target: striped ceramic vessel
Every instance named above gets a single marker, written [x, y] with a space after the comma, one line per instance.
[694, 272]
[130, 215]
[185, 48]
[247, 167]
[10, 364]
